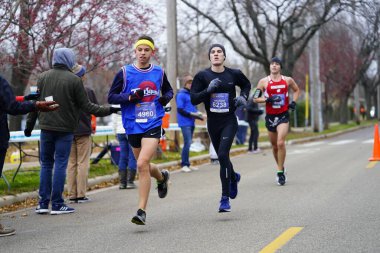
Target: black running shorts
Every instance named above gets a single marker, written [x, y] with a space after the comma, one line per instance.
[135, 139]
[273, 120]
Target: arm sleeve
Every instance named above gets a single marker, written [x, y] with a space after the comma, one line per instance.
[244, 84]
[9, 103]
[198, 92]
[166, 90]
[114, 95]
[85, 104]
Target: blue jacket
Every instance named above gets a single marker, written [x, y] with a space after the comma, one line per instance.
[9, 105]
[184, 108]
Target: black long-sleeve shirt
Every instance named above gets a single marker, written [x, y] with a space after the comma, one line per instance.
[230, 78]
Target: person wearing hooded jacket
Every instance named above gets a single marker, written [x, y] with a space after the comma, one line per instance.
[57, 128]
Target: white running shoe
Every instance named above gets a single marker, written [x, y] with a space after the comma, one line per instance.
[194, 168]
[185, 169]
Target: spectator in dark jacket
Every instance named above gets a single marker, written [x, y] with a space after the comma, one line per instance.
[253, 114]
[79, 161]
[9, 105]
[57, 128]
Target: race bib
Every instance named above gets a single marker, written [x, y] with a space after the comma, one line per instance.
[145, 111]
[278, 104]
[219, 102]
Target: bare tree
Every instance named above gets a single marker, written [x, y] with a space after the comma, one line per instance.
[99, 32]
[281, 28]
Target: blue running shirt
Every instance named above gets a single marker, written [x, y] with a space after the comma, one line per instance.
[147, 114]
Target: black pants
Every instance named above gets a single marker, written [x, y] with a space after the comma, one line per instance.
[254, 135]
[222, 133]
[3, 152]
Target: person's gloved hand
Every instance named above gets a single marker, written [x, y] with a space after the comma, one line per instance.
[136, 96]
[115, 109]
[272, 99]
[240, 100]
[46, 106]
[32, 96]
[197, 115]
[292, 105]
[27, 132]
[214, 85]
[162, 100]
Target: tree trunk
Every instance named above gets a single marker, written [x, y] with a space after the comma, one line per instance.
[343, 110]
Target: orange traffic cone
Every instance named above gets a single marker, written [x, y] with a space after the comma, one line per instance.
[376, 145]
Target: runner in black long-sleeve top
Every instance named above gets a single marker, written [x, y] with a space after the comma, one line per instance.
[215, 87]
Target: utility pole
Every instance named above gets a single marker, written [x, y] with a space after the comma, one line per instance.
[171, 68]
[315, 84]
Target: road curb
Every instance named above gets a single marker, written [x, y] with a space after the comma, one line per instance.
[11, 199]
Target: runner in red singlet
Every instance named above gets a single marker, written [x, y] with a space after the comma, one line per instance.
[275, 88]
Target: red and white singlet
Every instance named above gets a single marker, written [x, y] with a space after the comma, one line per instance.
[279, 88]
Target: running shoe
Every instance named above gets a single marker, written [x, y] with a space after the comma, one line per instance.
[234, 186]
[61, 209]
[281, 178]
[73, 200]
[194, 168]
[139, 218]
[162, 187]
[42, 208]
[224, 205]
[6, 231]
[185, 169]
[83, 200]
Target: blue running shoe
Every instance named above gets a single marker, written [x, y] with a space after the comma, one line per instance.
[234, 186]
[61, 209]
[224, 205]
[42, 208]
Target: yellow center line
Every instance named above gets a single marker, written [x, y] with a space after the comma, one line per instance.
[281, 240]
[371, 165]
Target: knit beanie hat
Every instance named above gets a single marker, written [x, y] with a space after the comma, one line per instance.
[216, 45]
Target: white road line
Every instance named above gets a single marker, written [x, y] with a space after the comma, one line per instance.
[341, 142]
[370, 141]
[311, 144]
[302, 151]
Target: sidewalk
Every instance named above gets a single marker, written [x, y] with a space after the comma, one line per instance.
[172, 166]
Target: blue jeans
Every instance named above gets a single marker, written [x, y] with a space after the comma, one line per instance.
[127, 159]
[55, 152]
[187, 132]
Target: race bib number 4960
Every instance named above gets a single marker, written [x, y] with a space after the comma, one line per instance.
[145, 111]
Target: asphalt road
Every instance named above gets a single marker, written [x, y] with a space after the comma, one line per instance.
[329, 204]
